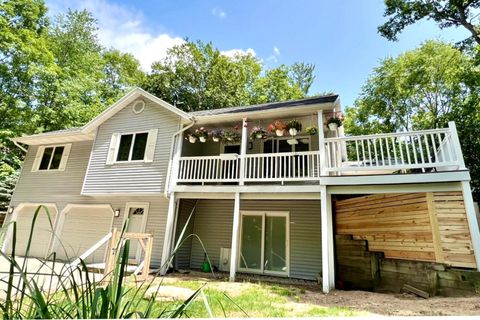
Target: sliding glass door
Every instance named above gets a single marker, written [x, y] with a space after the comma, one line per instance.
[264, 242]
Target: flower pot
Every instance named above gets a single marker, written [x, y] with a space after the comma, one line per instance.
[279, 132]
[203, 139]
[333, 126]
[192, 139]
[216, 139]
[230, 139]
[259, 135]
[293, 132]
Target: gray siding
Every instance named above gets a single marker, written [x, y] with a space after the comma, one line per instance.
[63, 187]
[132, 177]
[213, 224]
[182, 257]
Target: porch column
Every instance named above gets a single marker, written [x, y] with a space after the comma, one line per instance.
[321, 145]
[472, 220]
[235, 236]
[243, 150]
[328, 266]
[167, 240]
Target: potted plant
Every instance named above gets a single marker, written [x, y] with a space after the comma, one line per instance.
[202, 134]
[312, 130]
[294, 126]
[231, 135]
[258, 132]
[278, 127]
[216, 134]
[333, 123]
[192, 137]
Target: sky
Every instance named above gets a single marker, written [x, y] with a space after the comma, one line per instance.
[339, 37]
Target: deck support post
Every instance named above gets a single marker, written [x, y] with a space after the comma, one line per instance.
[243, 151]
[167, 240]
[328, 266]
[472, 220]
[321, 145]
[235, 237]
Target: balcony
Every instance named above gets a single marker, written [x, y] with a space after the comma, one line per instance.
[407, 152]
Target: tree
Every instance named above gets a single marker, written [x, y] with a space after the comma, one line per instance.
[197, 76]
[422, 89]
[303, 75]
[446, 13]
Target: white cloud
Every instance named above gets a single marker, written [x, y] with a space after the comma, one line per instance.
[219, 13]
[123, 29]
[276, 51]
[233, 52]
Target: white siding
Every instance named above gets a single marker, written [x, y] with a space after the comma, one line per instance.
[143, 177]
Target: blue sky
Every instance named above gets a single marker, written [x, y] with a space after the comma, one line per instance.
[339, 37]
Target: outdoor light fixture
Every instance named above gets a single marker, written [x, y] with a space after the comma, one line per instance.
[10, 210]
[116, 213]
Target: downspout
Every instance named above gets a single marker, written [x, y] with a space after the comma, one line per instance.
[167, 183]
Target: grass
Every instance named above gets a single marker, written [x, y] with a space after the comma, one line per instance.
[254, 300]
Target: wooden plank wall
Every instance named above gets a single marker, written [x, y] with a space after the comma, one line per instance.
[414, 226]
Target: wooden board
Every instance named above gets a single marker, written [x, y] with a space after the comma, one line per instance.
[429, 227]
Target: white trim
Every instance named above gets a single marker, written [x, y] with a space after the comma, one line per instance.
[472, 221]
[264, 214]
[68, 207]
[121, 194]
[276, 139]
[132, 144]
[89, 163]
[167, 235]
[328, 253]
[14, 216]
[142, 107]
[146, 209]
[235, 237]
[125, 101]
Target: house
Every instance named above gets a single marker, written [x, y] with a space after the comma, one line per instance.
[289, 206]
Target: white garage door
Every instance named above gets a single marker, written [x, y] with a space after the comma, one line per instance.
[42, 232]
[83, 226]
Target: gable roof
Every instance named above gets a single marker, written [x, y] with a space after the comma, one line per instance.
[87, 132]
[268, 106]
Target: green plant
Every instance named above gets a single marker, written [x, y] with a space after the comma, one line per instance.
[231, 135]
[336, 120]
[201, 132]
[277, 125]
[312, 130]
[258, 132]
[294, 124]
[72, 292]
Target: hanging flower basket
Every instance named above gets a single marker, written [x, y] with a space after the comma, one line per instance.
[231, 135]
[216, 135]
[311, 130]
[202, 134]
[192, 137]
[278, 127]
[294, 127]
[333, 123]
[258, 132]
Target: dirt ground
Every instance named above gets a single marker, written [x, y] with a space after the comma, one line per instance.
[373, 303]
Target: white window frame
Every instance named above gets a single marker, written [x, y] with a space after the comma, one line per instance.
[117, 147]
[36, 164]
[264, 214]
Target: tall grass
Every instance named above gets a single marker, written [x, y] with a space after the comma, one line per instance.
[57, 290]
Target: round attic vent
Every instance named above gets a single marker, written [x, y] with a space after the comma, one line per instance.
[138, 106]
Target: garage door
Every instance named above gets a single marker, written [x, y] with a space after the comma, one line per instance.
[42, 232]
[83, 226]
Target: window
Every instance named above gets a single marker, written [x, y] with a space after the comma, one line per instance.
[132, 146]
[51, 158]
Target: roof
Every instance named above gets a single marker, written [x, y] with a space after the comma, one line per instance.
[267, 106]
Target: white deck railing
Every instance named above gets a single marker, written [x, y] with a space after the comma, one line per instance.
[424, 150]
[393, 151]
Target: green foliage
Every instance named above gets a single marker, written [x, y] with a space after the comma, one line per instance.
[197, 76]
[446, 13]
[423, 89]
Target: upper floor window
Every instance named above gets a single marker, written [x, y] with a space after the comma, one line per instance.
[51, 158]
[132, 147]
